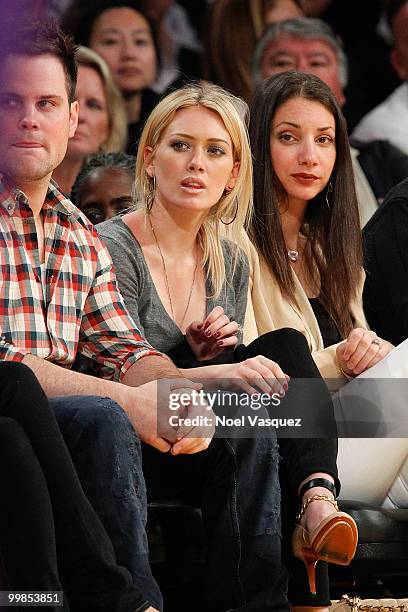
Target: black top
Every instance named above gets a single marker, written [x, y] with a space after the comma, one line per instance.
[149, 101]
[385, 295]
[327, 326]
[383, 164]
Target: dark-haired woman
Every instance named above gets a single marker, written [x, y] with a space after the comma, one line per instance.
[123, 36]
[306, 229]
[307, 272]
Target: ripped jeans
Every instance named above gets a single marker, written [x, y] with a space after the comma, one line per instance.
[106, 453]
[234, 481]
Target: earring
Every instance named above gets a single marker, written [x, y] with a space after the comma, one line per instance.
[233, 218]
[328, 190]
[150, 198]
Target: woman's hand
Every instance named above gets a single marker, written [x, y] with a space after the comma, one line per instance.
[362, 349]
[210, 337]
[255, 375]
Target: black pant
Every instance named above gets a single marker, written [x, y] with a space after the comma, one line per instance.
[50, 537]
[300, 457]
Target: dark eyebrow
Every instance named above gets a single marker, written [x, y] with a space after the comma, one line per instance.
[209, 139]
[116, 31]
[295, 125]
[118, 200]
[318, 54]
[41, 97]
[312, 54]
[281, 52]
[50, 97]
[121, 199]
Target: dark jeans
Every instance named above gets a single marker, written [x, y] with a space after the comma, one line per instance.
[106, 453]
[235, 481]
[51, 538]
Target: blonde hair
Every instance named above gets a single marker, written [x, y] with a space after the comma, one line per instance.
[117, 136]
[235, 204]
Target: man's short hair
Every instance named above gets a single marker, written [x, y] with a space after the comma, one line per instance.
[300, 27]
[37, 38]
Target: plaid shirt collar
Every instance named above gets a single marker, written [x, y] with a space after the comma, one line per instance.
[11, 197]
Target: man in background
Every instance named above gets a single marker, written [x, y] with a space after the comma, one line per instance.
[389, 120]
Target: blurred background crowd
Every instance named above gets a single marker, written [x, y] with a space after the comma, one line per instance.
[133, 52]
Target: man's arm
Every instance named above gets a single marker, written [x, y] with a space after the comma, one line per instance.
[56, 380]
[150, 368]
[140, 404]
[146, 405]
[108, 337]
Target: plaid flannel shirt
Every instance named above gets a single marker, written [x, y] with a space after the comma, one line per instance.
[74, 304]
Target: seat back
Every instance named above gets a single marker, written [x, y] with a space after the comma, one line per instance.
[397, 496]
[370, 470]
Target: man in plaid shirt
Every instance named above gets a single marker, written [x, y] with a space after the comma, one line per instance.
[59, 298]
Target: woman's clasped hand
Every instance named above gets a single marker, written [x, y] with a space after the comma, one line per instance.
[361, 351]
[216, 333]
[211, 336]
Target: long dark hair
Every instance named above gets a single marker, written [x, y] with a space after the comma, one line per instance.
[333, 253]
[230, 36]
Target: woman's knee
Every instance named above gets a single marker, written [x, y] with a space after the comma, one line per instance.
[17, 377]
[279, 343]
[13, 441]
[290, 336]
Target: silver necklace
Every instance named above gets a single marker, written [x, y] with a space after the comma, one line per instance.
[166, 280]
[293, 255]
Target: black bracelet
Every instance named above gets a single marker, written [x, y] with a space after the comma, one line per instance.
[317, 482]
[144, 606]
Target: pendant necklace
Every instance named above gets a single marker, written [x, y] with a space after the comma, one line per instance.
[293, 255]
[166, 280]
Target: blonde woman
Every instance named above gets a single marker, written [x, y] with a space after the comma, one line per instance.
[187, 287]
[102, 122]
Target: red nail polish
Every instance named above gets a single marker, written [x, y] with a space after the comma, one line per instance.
[217, 334]
[199, 326]
[220, 343]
